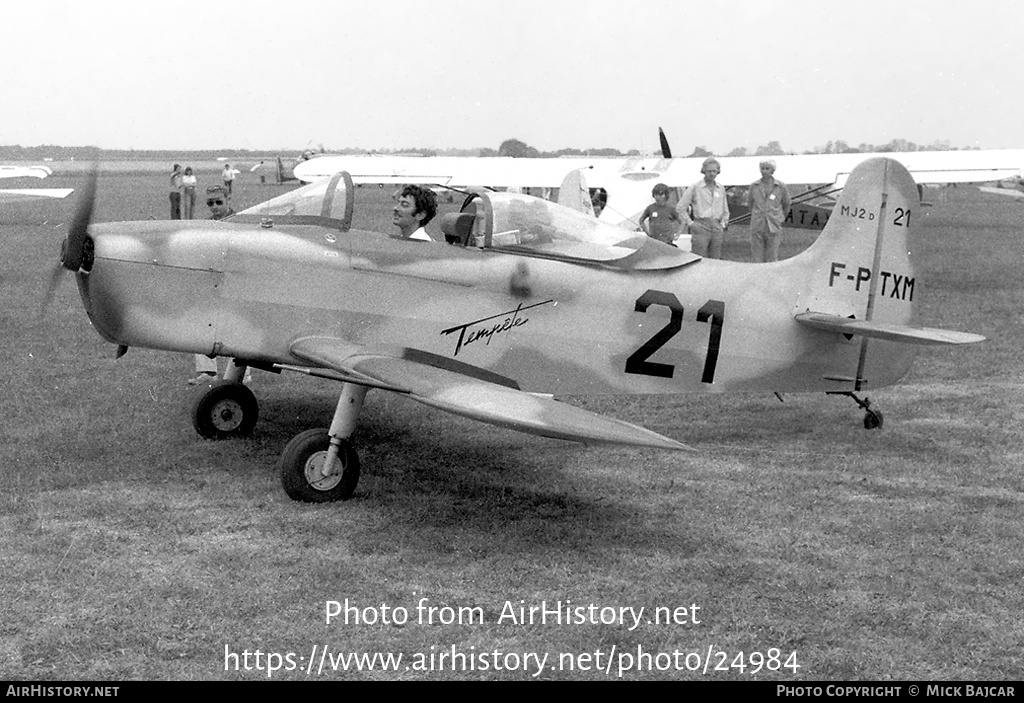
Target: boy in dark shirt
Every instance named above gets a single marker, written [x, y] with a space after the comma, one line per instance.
[660, 221]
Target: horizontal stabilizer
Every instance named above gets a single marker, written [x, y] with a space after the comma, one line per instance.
[469, 392]
[881, 330]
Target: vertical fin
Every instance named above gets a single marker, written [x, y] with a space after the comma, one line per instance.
[574, 193]
[861, 267]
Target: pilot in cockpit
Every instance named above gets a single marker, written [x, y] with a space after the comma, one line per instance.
[415, 206]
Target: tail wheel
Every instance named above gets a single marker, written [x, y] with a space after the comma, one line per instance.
[872, 420]
[225, 409]
[304, 475]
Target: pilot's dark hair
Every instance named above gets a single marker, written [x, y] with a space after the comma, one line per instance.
[426, 201]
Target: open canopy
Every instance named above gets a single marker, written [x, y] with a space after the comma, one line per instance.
[328, 202]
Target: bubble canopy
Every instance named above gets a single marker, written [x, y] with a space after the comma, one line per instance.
[496, 221]
[328, 203]
[524, 224]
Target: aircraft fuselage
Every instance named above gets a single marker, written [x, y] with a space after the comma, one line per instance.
[552, 326]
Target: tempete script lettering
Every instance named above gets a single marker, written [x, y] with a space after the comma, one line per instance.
[475, 331]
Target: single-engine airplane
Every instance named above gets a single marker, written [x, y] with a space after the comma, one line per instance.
[527, 298]
[8, 195]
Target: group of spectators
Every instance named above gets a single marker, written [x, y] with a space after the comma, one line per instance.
[703, 212]
[183, 194]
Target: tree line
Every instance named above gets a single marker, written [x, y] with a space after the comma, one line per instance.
[510, 147]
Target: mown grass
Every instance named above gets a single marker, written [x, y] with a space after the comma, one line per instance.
[132, 549]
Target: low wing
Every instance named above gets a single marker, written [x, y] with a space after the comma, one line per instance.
[890, 332]
[472, 392]
[9, 195]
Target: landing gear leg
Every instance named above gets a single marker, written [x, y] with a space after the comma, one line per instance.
[319, 466]
[235, 371]
[872, 418]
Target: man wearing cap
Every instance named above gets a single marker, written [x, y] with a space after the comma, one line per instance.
[660, 221]
[217, 200]
[769, 205]
[705, 210]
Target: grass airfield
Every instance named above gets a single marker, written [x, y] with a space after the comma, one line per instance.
[132, 549]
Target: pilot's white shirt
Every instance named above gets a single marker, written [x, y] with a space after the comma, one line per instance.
[421, 234]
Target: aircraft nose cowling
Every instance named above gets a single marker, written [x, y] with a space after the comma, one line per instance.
[154, 284]
[194, 245]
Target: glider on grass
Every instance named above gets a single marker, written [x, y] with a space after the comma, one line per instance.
[524, 299]
[9, 195]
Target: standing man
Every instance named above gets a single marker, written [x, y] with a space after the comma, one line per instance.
[659, 221]
[229, 177]
[176, 184]
[769, 205]
[415, 206]
[705, 210]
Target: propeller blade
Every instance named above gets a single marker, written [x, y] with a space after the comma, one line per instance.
[73, 251]
[55, 277]
[666, 151]
[73, 246]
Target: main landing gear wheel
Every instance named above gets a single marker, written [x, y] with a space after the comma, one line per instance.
[304, 475]
[225, 409]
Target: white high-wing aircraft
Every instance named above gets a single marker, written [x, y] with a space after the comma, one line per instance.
[629, 180]
[8, 195]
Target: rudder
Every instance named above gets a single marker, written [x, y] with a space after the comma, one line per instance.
[861, 266]
[862, 263]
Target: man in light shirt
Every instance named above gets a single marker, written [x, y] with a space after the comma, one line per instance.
[769, 205]
[228, 174]
[705, 211]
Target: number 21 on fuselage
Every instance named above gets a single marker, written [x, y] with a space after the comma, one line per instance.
[713, 312]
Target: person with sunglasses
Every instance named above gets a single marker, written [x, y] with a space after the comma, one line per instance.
[217, 199]
[206, 368]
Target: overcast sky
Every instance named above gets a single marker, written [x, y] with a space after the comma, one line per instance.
[552, 73]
